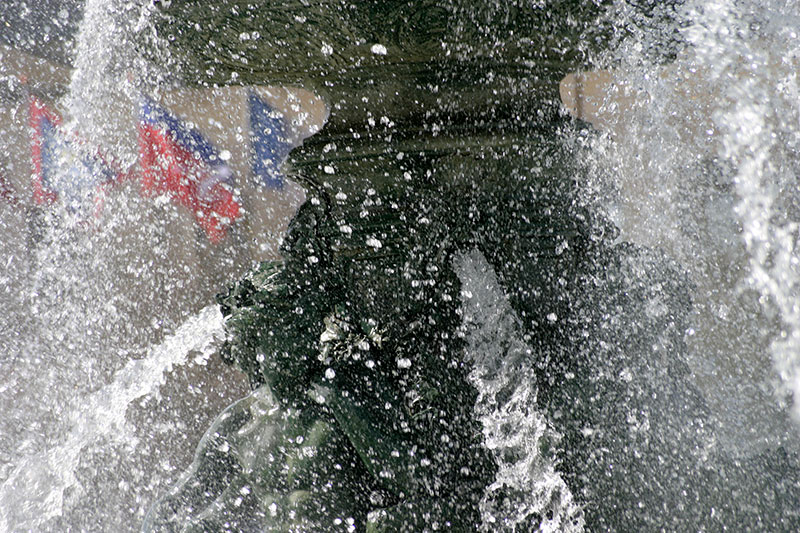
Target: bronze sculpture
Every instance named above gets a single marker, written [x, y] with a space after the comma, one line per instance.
[444, 136]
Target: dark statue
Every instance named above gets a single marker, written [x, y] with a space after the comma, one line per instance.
[445, 137]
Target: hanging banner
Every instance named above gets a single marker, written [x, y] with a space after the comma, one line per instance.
[64, 168]
[270, 140]
[177, 160]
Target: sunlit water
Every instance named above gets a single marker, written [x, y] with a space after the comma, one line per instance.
[41, 481]
[513, 429]
[108, 382]
[704, 165]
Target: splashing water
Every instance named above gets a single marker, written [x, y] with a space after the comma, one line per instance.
[701, 148]
[34, 492]
[110, 76]
[527, 486]
[719, 127]
[106, 370]
[754, 51]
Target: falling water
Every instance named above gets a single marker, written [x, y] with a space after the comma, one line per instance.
[701, 161]
[110, 76]
[515, 431]
[34, 492]
[107, 344]
[700, 146]
[759, 126]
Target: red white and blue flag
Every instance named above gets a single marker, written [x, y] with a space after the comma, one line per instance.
[270, 142]
[65, 169]
[175, 159]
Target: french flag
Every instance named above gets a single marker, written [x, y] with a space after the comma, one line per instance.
[64, 168]
[270, 142]
[177, 160]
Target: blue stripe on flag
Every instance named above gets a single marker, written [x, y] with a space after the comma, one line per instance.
[270, 143]
[189, 138]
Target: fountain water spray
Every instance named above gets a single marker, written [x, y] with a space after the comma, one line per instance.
[110, 76]
[514, 430]
[104, 318]
[752, 53]
[734, 178]
[701, 150]
[34, 492]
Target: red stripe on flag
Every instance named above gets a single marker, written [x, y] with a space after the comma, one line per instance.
[169, 168]
[219, 211]
[7, 193]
